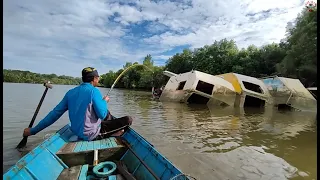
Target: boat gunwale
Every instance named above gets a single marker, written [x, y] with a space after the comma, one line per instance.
[21, 163]
[162, 158]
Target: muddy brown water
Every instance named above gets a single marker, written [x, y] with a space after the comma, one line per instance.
[206, 143]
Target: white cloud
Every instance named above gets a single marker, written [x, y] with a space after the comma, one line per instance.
[166, 57]
[156, 27]
[214, 20]
[64, 36]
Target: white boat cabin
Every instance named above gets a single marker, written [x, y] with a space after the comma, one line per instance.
[198, 87]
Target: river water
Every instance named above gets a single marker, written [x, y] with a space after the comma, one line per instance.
[206, 143]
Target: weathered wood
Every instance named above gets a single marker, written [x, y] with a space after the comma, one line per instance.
[86, 157]
[67, 148]
[120, 177]
[119, 142]
[124, 171]
[70, 173]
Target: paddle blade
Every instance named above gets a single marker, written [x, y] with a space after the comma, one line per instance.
[22, 143]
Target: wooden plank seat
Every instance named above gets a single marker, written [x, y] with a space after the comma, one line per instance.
[81, 152]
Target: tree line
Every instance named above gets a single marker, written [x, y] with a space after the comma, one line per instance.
[294, 57]
[139, 77]
[18, 76]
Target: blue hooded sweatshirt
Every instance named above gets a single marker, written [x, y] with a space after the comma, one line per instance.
[86, 108]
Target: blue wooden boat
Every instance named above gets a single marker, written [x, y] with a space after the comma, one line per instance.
[62, 156]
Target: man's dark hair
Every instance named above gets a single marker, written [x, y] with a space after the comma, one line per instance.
[88, 74]
[87, 79]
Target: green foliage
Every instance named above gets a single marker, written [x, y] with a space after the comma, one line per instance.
[224, 56]
[18, 76]
[301, 50]
[180, 63]
[148, 61]
[138, 77]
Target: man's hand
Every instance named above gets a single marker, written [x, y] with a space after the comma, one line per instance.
[106, 98]
[26, 132]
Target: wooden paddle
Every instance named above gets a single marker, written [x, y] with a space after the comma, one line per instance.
[23, 142]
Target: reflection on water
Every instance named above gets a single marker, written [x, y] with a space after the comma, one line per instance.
[206, 142]
[218, 140]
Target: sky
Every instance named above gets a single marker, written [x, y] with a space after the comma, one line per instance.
[64, 36]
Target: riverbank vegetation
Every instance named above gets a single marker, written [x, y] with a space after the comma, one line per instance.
[18, 76]
[295, 57]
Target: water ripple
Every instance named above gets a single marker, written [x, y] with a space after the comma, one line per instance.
[205, 142]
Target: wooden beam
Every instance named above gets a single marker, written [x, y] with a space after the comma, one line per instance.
[67, 148]
[70, 173]
[124, 172]
[86, 157]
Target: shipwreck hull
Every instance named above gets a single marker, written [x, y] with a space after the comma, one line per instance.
[290, 92]
[198, 88]
[236, 90]
[251, 92]
[313, 91]
[174, 96]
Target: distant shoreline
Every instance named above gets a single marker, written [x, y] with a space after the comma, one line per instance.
[38, 83]
[136, 89]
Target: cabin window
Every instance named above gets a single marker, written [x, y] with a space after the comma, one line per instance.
[205, 87]
[253, 102]
[313, 93]
[249, 111]
[197, 99]
[284, 107]
[181, 85]
[252, 87]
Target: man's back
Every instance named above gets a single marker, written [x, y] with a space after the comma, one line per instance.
[85, 122]
[86, 109]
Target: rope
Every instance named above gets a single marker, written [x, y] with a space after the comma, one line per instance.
[118, 78]
[185, 175]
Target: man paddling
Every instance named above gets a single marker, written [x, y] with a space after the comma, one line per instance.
[88, 111]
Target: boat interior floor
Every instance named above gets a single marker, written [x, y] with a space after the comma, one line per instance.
[64, 157]
[79, 156]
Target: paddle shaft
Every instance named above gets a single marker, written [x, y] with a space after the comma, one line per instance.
[38, 108]
[118, 78]
[23, 142]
